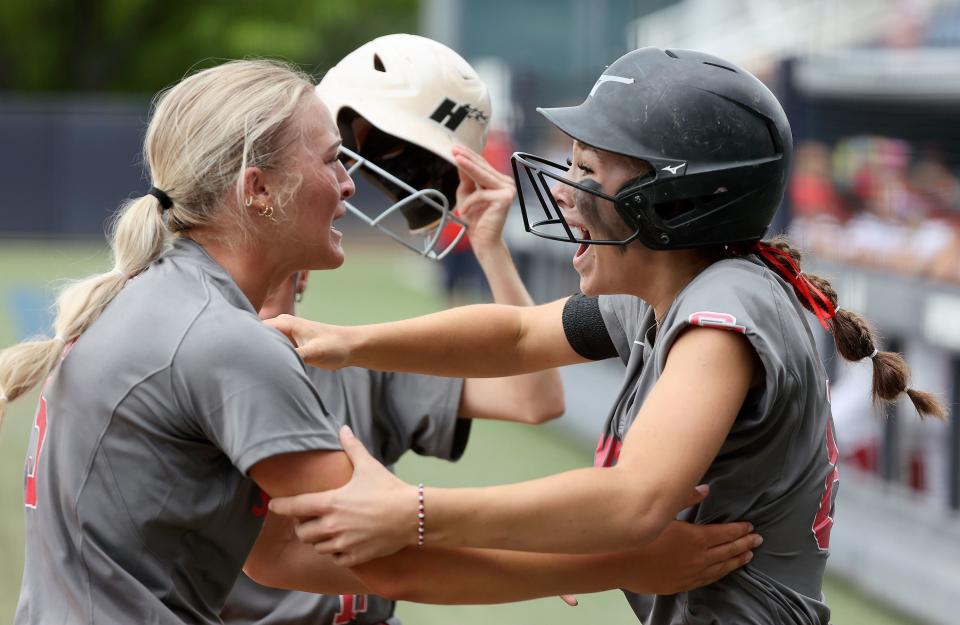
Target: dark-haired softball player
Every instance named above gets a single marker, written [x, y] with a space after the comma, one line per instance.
[679, 163]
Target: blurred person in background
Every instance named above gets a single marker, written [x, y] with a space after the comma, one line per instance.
[812, 191]
[879, 210]
[819, 211]
[678, 284]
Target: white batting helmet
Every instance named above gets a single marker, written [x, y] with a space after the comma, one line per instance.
[402, 102]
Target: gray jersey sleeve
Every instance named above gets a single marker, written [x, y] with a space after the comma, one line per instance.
[257, 400]
[622, 316]
[420, 413]
[744, 304]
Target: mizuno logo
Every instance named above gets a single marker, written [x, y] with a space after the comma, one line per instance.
[609, 78]
[673, 168]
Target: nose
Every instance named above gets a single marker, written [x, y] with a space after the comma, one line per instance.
[347, 186]
[563, 194]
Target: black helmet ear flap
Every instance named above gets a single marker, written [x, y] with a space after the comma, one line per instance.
[631, 201]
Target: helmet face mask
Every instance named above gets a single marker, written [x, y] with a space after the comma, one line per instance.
[426, 209]
[717, 140]
[402, 103]
[554, 225]
[414, 165]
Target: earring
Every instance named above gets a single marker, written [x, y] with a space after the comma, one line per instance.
[249, 201]
[267, 211]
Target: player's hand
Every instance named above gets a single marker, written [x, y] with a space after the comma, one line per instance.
[484, 198]
[373, 515]
[687, 556]
[319, 344]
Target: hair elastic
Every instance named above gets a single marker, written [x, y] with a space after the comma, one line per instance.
[59, 339]
[165, 201]
[875, 352]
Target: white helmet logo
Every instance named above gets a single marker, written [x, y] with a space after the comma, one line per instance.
[609, 78]
[451, 115]
[674, 168]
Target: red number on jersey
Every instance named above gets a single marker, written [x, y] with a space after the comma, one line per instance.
[709, 319]
[823, 522]
[350, 607]
[261, 508]
[40, 425]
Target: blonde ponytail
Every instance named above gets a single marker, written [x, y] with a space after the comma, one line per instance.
[203, 133]
[138, 238]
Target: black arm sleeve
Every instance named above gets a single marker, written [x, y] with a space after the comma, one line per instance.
[585, 330]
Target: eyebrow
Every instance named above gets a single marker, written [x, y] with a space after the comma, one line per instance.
[335, 145]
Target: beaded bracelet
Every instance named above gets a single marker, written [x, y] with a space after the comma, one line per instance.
[421, 516]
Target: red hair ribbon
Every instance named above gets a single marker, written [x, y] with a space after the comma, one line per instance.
[782, 263]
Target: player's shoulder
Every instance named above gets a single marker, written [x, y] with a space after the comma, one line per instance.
[224, 333]
[227, 336]
[736, 293]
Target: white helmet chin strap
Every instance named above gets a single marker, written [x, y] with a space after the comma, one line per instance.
[432, 197]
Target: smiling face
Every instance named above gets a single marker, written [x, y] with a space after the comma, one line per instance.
[603, 269]
[307, 227]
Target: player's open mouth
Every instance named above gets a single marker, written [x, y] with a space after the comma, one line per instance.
[585, 235]
[337, 214]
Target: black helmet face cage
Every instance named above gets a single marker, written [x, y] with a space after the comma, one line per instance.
[553, 225]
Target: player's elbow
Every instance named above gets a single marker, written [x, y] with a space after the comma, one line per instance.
[642, 516]
[540, 404]
[638, 529]
[544, 410]
[259, 570]
[386, 578]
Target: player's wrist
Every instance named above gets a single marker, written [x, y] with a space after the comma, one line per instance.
[355, 344]
[491, 252]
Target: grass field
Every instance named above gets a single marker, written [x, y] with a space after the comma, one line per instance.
[373, 285]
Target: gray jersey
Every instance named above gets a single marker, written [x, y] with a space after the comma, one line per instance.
[139, 506]
[391, 413]
[776, 467]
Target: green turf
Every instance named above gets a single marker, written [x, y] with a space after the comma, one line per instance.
[373, 285]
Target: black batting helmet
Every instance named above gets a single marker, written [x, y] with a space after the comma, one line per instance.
[718, 141]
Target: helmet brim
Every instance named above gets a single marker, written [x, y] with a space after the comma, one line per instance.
[590, 127]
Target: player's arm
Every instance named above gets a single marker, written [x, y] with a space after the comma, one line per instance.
[278, 559]
[484, 198]
[697, 556]
[674, 438]
[669, 447]
[484, 340]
